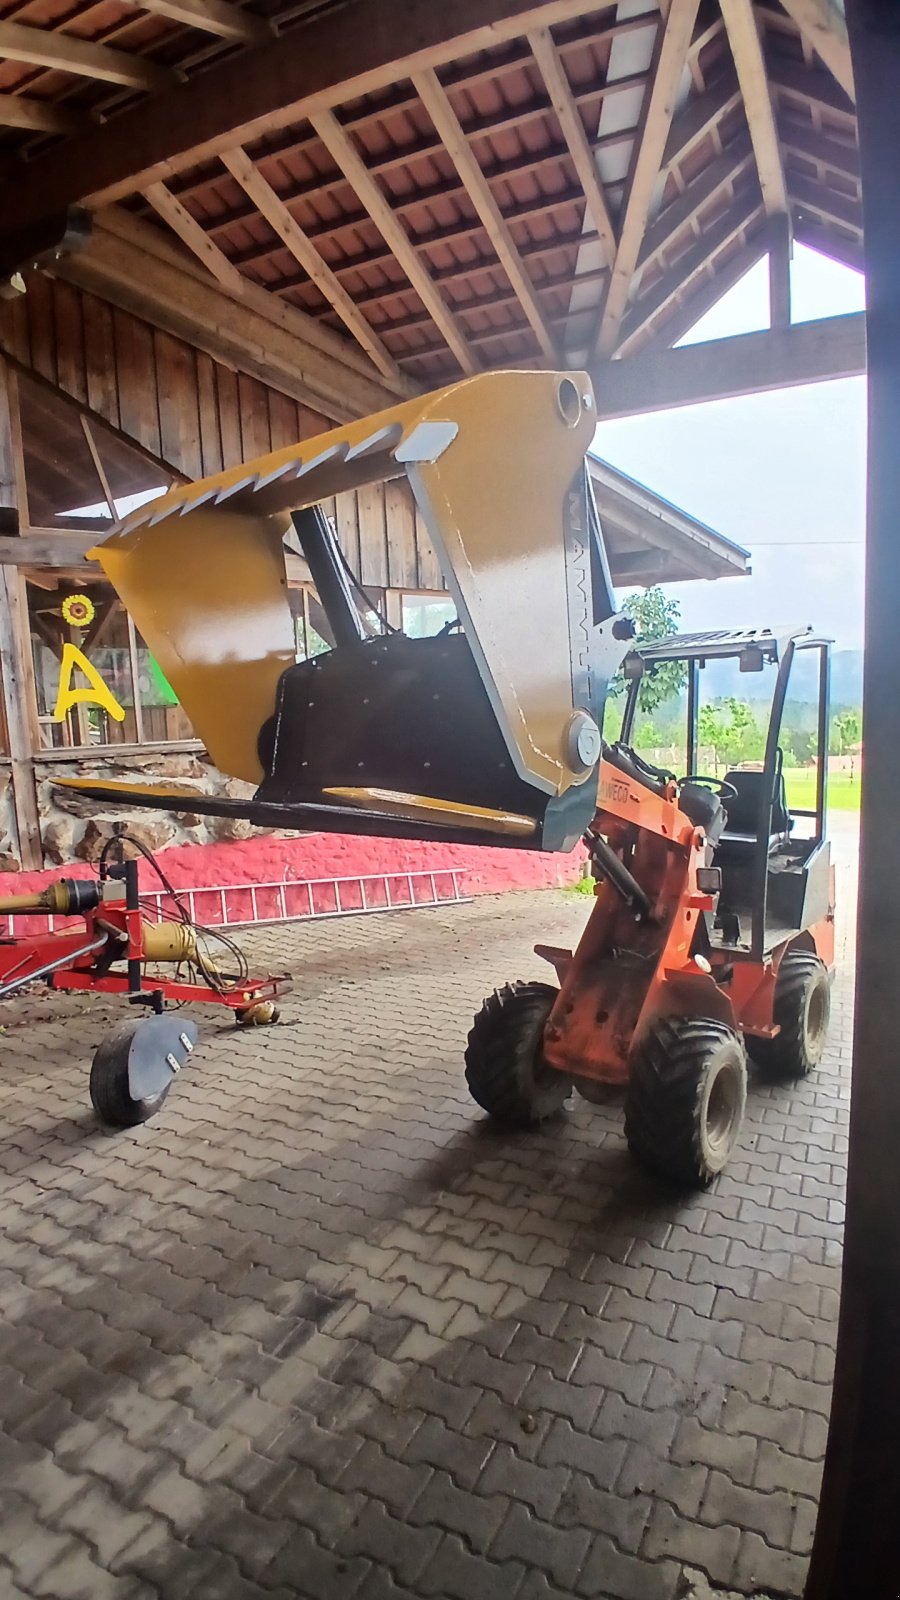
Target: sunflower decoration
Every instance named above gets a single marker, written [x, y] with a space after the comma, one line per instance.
[78, 610]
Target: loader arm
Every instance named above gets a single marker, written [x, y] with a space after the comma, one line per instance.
[489, 733]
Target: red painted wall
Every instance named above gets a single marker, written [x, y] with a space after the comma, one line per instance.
[268, 859]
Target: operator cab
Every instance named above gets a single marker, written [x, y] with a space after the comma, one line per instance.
[773, 855]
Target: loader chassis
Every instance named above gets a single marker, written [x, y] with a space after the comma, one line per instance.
[705, 941]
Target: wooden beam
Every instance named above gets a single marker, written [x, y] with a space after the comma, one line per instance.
[650, 143]
[743, 36]
[48, 549]
[305, 253]
[341, 53]
[823, 26]
[196, 238]
[39, 116]
[62, 52]
[226, 21]
[133, 265]
[16, 665]
[720, 369]
[344, 152]
[437, 103]
[568, 116]
[20, 707]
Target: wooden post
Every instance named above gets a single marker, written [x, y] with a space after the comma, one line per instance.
[780, 252]
[20, 705]
[16, 665]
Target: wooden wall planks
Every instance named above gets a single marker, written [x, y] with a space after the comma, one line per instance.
[199, 416]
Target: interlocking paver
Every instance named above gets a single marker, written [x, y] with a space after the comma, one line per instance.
[316, 1330]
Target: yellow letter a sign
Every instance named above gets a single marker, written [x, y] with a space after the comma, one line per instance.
[97, 695]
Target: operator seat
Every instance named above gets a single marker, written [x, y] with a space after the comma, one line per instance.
[739, 839]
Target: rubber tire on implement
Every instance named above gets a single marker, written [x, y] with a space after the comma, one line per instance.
[802, 1011]
[110, 1094]
[505, 1070]
[685, 1098]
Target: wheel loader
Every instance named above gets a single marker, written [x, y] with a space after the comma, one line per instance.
[711, 935]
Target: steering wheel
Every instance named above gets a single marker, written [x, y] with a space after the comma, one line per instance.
[725, 791]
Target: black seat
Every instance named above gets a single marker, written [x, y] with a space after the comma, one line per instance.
[742, 827]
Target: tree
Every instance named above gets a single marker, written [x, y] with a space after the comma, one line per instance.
[654, 618]
[730, 729]
[847, 727]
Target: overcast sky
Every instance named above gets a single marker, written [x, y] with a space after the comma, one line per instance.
[782, 474]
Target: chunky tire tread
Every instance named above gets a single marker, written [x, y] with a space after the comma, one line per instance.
[110, 1094]
[504, 1070]
[665, 1096]
[792, 1054]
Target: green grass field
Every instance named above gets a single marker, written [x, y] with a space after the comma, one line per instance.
[843, 791]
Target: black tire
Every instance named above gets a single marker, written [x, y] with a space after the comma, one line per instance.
[802, 1010]
[110, 1094]
[685, 1098]
[505, 1069]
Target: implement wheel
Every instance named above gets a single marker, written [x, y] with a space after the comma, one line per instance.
[110, 1092]
[685, 1098]
[505, 1067]
[802, 1010]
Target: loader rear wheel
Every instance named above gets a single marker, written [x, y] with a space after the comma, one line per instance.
[802, 1010]
[685, 1098]
[505, 1067]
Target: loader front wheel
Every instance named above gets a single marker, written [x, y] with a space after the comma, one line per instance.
[685, 1099]
[505, 1067]
[802, 1010]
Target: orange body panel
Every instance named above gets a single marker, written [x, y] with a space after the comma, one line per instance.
[627, 971]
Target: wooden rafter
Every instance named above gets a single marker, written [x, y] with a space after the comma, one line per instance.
[810, 84]
[343, 52]
[189, 231]
[809, 231]
[650, 143]
[437, 103]
[822, 25]
[225, 20]
[568, 116]
[342, 150]
[685, 210]
[746, 48]
[63, 52]
[695, 263]
[40, 116]
[827, 204]
[279, 218]
[701, 116]
[704, 292]
[834, 155]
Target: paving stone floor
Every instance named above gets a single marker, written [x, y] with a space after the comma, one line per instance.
[317, 1331]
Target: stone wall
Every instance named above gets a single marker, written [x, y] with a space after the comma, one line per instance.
[74, 828]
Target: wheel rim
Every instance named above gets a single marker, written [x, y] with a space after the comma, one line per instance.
[723, 1107]
[816, 1020]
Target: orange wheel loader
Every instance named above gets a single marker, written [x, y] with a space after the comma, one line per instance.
[711, 933]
